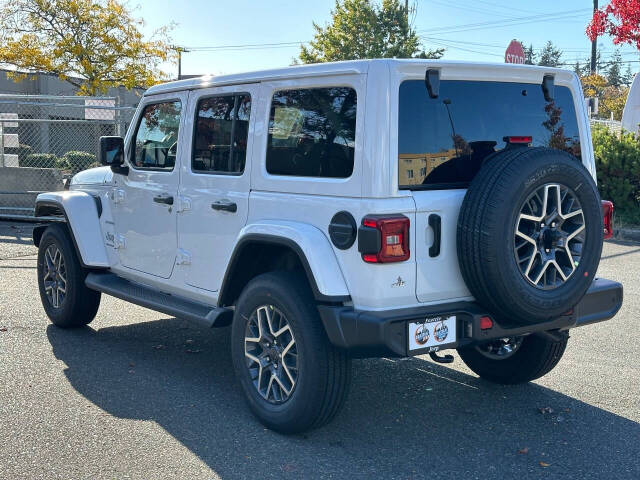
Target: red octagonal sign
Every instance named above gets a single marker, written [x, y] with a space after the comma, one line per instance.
[514, 53]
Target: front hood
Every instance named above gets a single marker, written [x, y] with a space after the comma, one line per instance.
[93, 176]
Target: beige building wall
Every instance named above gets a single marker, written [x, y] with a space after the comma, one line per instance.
[413, 168]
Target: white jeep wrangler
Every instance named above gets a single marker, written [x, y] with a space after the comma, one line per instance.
[356, 209]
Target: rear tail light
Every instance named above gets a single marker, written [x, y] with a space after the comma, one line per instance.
[607, 215]
[384, 238]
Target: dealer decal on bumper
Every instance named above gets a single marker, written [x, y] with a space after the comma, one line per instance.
[433, 332]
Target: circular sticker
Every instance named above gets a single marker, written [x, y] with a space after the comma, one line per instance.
[440, 332]
[422, 334]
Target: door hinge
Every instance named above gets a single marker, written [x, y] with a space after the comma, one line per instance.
[119, 242]
[184, 204]
[117, 196]
[183, 257]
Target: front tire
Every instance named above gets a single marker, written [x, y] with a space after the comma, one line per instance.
[65, 298]
[527, 359]
[292, 377]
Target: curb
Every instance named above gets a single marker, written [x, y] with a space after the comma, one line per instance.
[632, 234]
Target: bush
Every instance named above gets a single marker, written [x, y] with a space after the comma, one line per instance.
[77, 161]
[23, 152]
[618, 169]
[39, 160]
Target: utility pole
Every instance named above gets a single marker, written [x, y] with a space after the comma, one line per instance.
[180, 51]
[594, 43]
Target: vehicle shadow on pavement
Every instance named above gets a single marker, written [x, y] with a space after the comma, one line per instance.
[404, 419]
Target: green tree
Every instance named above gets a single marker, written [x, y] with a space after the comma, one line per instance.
[614, 74]
[362, 29]
[550, 56]
[91, 44]
[529, 55]
[627, 78]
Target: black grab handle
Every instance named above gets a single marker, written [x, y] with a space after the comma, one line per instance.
[435, 222]
[225, 206]
[164, 199]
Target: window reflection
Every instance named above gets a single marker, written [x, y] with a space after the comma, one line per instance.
[221, 133]
[442, 142]
[312, 132]
[156, 140]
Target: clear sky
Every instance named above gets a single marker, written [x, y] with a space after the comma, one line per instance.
[468, 29]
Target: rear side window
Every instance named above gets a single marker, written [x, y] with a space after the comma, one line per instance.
[443, 141]
[220, 134]
[312, 132]
[156, 141]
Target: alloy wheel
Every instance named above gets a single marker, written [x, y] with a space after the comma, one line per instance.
[55, 276]
[271, 354]
[549, 236]
[500, 348]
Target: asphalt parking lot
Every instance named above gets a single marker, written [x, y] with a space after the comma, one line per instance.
[140, 395]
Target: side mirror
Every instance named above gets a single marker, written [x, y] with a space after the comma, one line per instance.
[112, 154]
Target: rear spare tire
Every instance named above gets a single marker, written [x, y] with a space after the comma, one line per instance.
[529, 234]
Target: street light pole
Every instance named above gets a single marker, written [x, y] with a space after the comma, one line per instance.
[594, 43]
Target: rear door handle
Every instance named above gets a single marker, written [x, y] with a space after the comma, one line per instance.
[164, 199]
[225, 206]
[435, 222]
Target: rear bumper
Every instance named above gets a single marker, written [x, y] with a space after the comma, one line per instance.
[383, 334]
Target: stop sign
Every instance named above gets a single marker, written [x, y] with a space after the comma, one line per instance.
[514, 53]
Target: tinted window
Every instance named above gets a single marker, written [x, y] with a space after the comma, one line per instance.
[312, 132]
[221, 132]
[156, 140]
[442, 141]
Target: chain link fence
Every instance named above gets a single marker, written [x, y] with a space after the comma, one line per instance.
[46, 139]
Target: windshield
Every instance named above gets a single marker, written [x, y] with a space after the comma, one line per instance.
[442, 141]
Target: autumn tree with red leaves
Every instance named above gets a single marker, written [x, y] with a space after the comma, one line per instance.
[620, 19]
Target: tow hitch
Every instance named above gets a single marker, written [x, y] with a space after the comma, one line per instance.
[444, 359]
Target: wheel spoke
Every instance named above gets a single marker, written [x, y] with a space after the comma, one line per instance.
[526, 237]
[572, 235]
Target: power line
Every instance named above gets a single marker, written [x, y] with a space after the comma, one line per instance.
[507, 23]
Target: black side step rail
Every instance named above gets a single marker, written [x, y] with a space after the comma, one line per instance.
[148, 297]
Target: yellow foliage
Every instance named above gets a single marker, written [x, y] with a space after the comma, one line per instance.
[593, 85]
[92, 44]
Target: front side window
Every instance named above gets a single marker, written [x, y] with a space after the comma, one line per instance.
[312, 132]
[221, 133]
[447, 138]
[156, 141]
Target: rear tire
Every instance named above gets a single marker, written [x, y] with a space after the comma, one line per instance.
[536, 356]
[322, 373]
[65, 298]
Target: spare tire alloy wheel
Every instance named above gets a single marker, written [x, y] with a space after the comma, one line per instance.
[549, 236]
[271, 354]
[55, 276]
